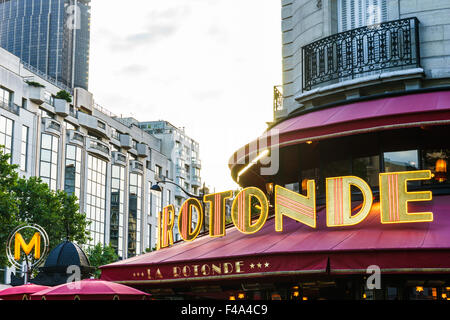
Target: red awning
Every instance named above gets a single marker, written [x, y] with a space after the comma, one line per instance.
[299, 249]
[412, 110]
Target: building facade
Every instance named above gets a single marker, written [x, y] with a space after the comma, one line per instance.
[185, 153]
[50, 36]
[365, 93]
[109, 163]
[346, 196]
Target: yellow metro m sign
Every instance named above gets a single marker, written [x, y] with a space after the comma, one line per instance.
[19, 243]
[18, 250]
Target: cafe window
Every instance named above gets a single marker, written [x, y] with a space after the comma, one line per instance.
[367, 168]
[309, 174]
[436, 161]
[401, 161]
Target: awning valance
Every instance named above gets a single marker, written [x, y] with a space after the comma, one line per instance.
[411, 110]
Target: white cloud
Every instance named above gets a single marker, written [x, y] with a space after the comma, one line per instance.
[208, 66]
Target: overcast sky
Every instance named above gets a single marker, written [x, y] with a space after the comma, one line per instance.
[206, 65]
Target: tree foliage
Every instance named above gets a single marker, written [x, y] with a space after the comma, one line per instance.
[100, 255]
[31, 201]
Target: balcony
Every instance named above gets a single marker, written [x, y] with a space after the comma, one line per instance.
[136, 166]
[62, 107]
[360, 52]
[181, 172]
[92, 123]
[98, 147]
[10, 106]
[126, 141]
[36, 94]
[142, 150]
[51, 126]
[76, 137]
[119, 158]
[197, 163]
[196, 181]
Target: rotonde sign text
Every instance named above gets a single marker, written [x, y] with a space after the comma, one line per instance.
[394, 198]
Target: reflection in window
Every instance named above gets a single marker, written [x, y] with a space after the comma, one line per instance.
[134, 217]
[338, 168]
[95, 198]
[436, 161]
[401, 161]
[49, 160]
[6, 132]
[309, 174]
[72, 177]
[367, 168]
[293, 186]
[117, 208]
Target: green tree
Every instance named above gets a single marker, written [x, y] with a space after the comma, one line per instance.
[31, 201]
[100, 255]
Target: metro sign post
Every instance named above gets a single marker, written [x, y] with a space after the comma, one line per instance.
[32, 252]
[394, 198]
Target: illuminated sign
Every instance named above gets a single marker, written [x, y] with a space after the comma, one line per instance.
[394, 198]
[32, 252]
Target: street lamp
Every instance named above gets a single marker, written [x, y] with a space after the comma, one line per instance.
[157, 188]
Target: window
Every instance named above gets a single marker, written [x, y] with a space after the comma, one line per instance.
[367, 168]
[49, 160]
[353, 14]
[6, 132]
[117, 208]
[96, 198]
[5, 97]
[158, 171]
[134, 217]
[24, 149]
[401, 161]
[156, 199]
[436, 161]
[72, 176]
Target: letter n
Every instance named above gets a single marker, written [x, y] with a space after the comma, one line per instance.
[295, 206]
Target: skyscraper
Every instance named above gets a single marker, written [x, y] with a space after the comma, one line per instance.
[51, 36]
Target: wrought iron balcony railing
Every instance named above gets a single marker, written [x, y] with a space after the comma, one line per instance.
[277, 98]
[358, 52]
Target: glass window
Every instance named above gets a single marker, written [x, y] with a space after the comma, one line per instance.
[49, 160]
[6, 133]
[367, 168]
[117, 208]
[72, 175]
[95, 198]
[436, 161]
[134, 217]
[24, 149]
[401, 161]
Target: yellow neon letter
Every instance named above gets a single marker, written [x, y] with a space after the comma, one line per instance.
[295, 206]
[166, 220]
[241, 210]
[185, 219]
[394, 197]
[34, 243]
[339, 202]
[217, 212]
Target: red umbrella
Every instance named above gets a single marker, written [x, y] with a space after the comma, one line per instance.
[22, 292]
[90, 289]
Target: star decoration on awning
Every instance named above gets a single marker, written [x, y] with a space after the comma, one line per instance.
[260, 265]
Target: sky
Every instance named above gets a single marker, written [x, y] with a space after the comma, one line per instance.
[206, 65]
